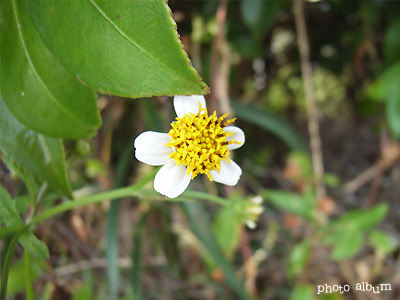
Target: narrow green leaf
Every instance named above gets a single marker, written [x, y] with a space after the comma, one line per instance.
[41, 155]
[271, 123]
[84, 293]
[392, 42]
[383, 242]
[8, 210]
[393, 109]
[126, 48]
[22, 203]
[348, 245]
[23, 174]
[28, 276]
[136, 271]
[112, 245]
[199, 224]
[298, 258]
[112, 248]
[37, 89]
[387, 88]
[294, 203]
[6, 263]
[302, 292]
[34, 246]
[259, 15]
[362, 220]
[226, 229]
[16, 282]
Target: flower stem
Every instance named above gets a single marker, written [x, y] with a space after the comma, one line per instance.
[134, 190]
[7, 263]
[114, 194]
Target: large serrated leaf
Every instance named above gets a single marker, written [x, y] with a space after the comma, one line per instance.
[41, 155]
[37, 89]
[126, 48]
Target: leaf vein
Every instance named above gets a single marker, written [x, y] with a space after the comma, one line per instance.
[133, 42]
[35, 72]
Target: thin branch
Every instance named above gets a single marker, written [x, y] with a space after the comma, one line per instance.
[312, 110]
[378, 168]
[220, 64]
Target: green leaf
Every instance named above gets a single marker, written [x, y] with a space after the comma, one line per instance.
[380, 90]
[302, 292]
[298, 258]
[41, 155]
[16, 282]
[226, 229]
[271, 123]
[37, 89]
[393, 109]
[391, 45]
[259, 15]
[17, 171]
[8, 210]
[387, 88]
[362, 220]
[22, 203]
[126, 48]
[383, 242]
[85, 292]
[348, 245]
[332, 180]
[34, 246]
[295, 203]
[199, 222]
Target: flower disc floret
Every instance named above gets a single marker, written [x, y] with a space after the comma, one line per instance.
[199, 142]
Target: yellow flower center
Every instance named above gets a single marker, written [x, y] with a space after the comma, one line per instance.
[199, 142]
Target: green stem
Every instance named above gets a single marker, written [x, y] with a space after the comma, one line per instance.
[114, 194]
[205, 196]
[134, 190]
[28, 276]
[7, 263]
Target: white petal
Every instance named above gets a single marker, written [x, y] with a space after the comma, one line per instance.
[238, 136]
[188, 104]
[151, 148]
[255, 210]
[229, 173]
[251, 224]
[257, 200]
[172, 180]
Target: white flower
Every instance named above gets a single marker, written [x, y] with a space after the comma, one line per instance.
[253, 210]
[197, 143]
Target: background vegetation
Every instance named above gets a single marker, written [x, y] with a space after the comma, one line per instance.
[331, 213]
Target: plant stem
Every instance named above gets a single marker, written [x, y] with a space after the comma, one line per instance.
[7, 262]
[134, 190]
[312, 110]
[114, 194]
[28, 276]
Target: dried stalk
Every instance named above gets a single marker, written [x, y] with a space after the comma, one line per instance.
[312, 110]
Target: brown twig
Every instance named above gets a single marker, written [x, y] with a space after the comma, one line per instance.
[392, 155]
[312, 110]
[220, 64]
[250, 268]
